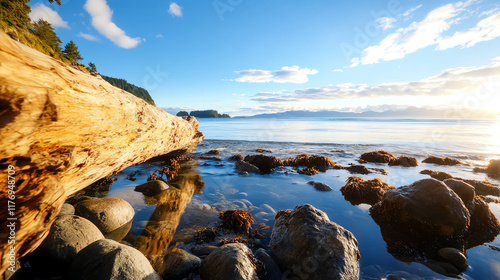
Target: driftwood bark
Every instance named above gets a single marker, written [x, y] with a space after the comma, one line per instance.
[61, 130]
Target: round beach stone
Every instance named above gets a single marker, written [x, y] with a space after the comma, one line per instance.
[465, 191]
[107, 214]
[67, 209]
[232, 261]
[68, 235]
[106, 259]
[152, 188]
[180, 264]
[455, 257]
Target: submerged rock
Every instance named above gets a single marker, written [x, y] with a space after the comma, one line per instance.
[404, 161]
[441, 161]
[438, 175]
[108, 214]
[378, 156]
[320, 186]
[425, 216]
[152, 188]
[68, 235]
[357, 190]
[272, 270]
[109, 260]
[213, 152]
[309, 171]
[230, 262]
[238, 221]
[266, 164]
[455, 257]
[307, 245]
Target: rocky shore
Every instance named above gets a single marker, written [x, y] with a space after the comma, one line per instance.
[430, 222]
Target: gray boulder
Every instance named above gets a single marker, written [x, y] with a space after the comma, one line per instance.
[68, 235]
[271, 267]
[232, 261]
[322, 187]
[67, 209]
[179, 264]
[108, 214]
[307, 245]
[152, 188]
[109, 260]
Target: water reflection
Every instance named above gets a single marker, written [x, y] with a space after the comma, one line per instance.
[159, 231]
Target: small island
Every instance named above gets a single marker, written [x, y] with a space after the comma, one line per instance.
[203, 114]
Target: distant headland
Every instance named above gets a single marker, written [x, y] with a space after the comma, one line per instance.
[203, 114]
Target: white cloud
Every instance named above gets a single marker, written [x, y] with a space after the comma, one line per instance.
[450, 82]
[159, 36]
[101, 20]
[285, 75]
[497, 58]
[40, 11]
[414, 37]
[488, 13]
[88, 36]
[386, 22]
[410, 11]
[338, 70]
[175, 10]
[485, 30]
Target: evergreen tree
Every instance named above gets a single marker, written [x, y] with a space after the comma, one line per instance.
[45, 32]
[72, 53]
[93, 69]
[182, 114]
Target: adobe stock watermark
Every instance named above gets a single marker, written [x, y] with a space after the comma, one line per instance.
[363, 36]
[11, 217]
[223, 6]
[154, 77]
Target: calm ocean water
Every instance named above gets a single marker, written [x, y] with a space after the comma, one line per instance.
[474, 142]
[474, 139]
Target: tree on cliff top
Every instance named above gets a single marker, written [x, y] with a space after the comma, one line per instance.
[46, 33]
[92, 68]
[72, 53]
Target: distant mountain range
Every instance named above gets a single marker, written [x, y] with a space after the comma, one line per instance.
[410, 112]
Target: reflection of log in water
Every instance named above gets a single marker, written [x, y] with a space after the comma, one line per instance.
[161, 227]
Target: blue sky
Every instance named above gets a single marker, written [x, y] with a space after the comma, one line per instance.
[245, 57]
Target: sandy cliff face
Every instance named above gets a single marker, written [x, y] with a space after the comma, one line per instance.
[62, 129]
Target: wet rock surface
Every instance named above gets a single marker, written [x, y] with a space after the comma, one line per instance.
[305, 238]
[246, 167]
[426, 215]
[320, 186]
[378, 156]
[152, 188]
[438, 175]
[230, 262]
[266, 164]
[311, 161]
[441, 161]
[357, 190]
[107, 214]
[404, 161]
[179, 264]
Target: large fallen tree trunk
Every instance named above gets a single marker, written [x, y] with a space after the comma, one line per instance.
[61, 130]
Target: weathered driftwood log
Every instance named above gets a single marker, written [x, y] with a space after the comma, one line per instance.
[61, 130]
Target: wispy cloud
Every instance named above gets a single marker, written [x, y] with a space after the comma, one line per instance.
[101, 20]
[40, 11]
[175, 10]
[338, 70]
[450, 82]
[88, 36]
[386, 22]
[411, 11]
[285, 75]
[485, 30]
[159, 36]
[175, 110]
[414, 37]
